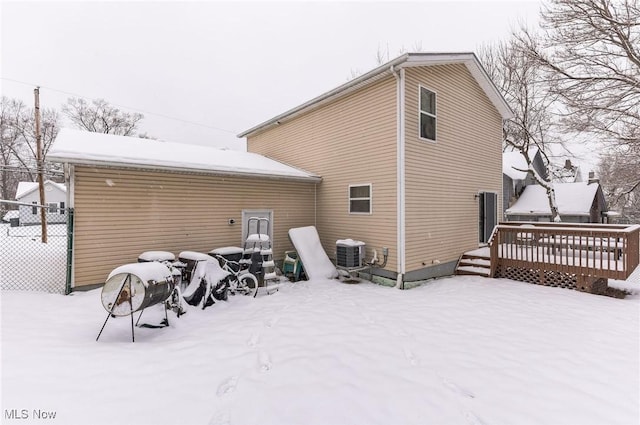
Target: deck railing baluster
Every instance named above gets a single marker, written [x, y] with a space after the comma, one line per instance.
[608, 251]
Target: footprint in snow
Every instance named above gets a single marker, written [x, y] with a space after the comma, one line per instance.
[272, 322]
[264, 361]
[411, 358]
[227, 387]
[473, 419]
[253, 340]
[457, 389]
[220, 418]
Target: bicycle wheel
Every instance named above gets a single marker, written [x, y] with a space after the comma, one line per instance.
[249, 284]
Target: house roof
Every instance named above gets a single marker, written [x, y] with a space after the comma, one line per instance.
[571, 198]
[513, 162]
[87, 148]
[405, 61]
[11, 214]
[25, 188]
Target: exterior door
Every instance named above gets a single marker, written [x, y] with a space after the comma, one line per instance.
[249, 230]
[487, 214]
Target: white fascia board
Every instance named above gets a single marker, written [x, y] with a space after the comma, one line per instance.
[474, 66]
[356, 83]
[406, 60]
[212, 172]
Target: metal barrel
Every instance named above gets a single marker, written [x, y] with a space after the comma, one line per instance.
[136, 286]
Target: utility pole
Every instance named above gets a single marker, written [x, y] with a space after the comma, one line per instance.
[39, 160]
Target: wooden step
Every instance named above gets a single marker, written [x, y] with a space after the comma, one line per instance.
[474, 271]
[476, 262]
[474, 265]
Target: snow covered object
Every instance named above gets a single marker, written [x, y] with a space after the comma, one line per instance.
[314, 259]
[133, 287]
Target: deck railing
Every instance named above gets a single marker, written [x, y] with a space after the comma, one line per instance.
[595, 250]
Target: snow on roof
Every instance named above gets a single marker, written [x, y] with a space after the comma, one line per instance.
[11, 214]
[24, 188]
[83, 147]
[572, 199]
[514, 161]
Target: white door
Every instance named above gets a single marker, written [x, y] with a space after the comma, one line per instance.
[246, 230]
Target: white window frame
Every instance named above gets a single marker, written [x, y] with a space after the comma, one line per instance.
[420, 112]
[52, 207]
[369, 198]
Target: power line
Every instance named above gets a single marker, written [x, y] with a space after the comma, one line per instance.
[121, 106]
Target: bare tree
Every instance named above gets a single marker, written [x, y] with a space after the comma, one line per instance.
[591, 51]
[519, 80]
[10, 110]
[100, 117]
[619, 172]
[18, 144]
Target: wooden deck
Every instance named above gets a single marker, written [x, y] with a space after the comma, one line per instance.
[577, 256]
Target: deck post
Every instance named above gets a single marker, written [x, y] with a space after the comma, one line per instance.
[493, 249]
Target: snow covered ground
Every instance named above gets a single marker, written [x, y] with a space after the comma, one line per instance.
[461, 350]
[24, 258]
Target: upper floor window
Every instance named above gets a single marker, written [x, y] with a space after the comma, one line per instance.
[427, 114]
[360, 199]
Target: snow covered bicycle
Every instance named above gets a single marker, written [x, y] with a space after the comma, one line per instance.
[239, 280]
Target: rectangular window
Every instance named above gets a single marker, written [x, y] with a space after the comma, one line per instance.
[360, 199]
[34, 210]
[53, 207]
[61, 208]
[427, 114]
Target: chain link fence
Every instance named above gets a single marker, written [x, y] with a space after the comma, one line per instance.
[27, 260]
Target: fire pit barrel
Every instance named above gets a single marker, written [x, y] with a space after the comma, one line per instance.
[136, 286]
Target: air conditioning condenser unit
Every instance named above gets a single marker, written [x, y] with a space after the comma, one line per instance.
[349, 253]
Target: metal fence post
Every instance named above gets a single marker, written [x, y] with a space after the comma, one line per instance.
[70, 217]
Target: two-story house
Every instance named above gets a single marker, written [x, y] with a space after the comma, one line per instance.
[410, 156]
[406, 157]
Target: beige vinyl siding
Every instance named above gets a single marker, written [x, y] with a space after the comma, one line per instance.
[120, 213]
[442, 177]
[351, 140]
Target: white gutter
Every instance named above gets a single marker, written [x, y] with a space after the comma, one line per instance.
[113, 164]
[400, 177]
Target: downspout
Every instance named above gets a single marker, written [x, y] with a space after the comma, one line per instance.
[400, 177]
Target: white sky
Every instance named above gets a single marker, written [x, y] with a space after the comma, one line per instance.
[227, 66]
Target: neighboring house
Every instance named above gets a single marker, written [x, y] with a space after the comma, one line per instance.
[581, 202]
[569, 173]
[55, 198]
[410, 156]
[11, 215]
[132, 195]
[515, 177]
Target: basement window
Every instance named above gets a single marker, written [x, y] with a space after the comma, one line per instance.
[427, 114]
[360, 199]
